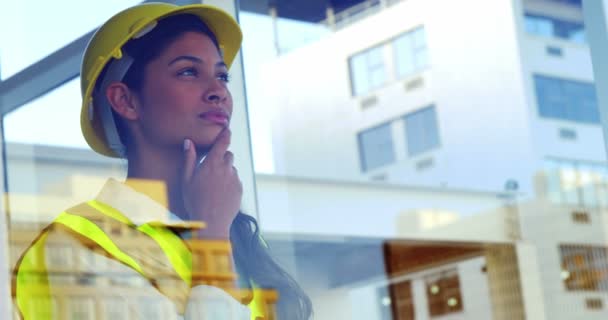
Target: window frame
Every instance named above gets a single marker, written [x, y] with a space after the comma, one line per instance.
[391, 74]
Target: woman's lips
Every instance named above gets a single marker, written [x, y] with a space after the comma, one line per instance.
[216, 117]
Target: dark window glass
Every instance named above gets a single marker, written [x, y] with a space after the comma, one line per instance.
[566, 99]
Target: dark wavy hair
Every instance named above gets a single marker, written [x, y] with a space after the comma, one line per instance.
[252, 257]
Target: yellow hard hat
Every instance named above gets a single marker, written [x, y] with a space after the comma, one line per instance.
[106, 44]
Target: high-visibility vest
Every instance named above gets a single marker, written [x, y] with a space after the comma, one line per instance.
[85, 222]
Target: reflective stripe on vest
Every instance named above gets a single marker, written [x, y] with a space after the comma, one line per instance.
[84, 221]
[31, 283]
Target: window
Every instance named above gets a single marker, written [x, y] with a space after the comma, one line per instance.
[401, 301]
[376, 147]
[584, 267]
[576, 183]
[150, 308]
[566, 99]
[367, 70]
[80, 308]
[411, 54]
[115, 309]
[421, 131]
[222, 262]
[443, 293]
[552, 27]
[29, 42]
[59, 256]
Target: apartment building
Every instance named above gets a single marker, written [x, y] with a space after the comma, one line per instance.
[494, 96]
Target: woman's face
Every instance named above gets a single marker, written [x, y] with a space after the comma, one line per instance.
[185, 94]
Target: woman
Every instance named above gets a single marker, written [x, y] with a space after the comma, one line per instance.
[154, 84]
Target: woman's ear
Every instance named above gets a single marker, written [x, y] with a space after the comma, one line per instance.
[123, 100]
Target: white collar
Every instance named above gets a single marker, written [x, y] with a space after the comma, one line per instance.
[136, 206]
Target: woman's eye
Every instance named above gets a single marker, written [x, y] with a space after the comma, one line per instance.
[224, 76]
[189, 72]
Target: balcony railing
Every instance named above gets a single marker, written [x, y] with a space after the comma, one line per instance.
[356, 13]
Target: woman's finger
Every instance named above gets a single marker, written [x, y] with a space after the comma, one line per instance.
[220, 146]
[189, 160]
[229, 157]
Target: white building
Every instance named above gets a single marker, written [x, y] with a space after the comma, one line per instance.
[455, 95]
[463, 74]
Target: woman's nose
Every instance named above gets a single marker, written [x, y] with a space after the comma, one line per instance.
[217, 93]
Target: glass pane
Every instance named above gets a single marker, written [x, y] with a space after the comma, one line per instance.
[30, 123]
[360, 74]
[566, 99]
[404, 55]
[375, 62]
[421, 131]
[410, 52]
[367, 70]
[376, 147]
[427, 190]
[538, 25]
[485, 208]
[31, 33]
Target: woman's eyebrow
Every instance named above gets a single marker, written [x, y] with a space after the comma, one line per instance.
[194, 59]
[189, 58]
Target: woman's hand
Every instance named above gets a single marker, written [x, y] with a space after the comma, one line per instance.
[212, 191]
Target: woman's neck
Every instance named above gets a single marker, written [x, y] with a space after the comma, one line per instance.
[160, 178]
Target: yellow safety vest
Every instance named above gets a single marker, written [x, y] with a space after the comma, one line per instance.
[83, 222]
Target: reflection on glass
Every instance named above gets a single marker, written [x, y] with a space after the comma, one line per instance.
[443, 293]
[29, 124]
[472, 186]
[421, 167]
[584, 267]
[575, 182]
[32, 33]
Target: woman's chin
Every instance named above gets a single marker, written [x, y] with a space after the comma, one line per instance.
[207, 139]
